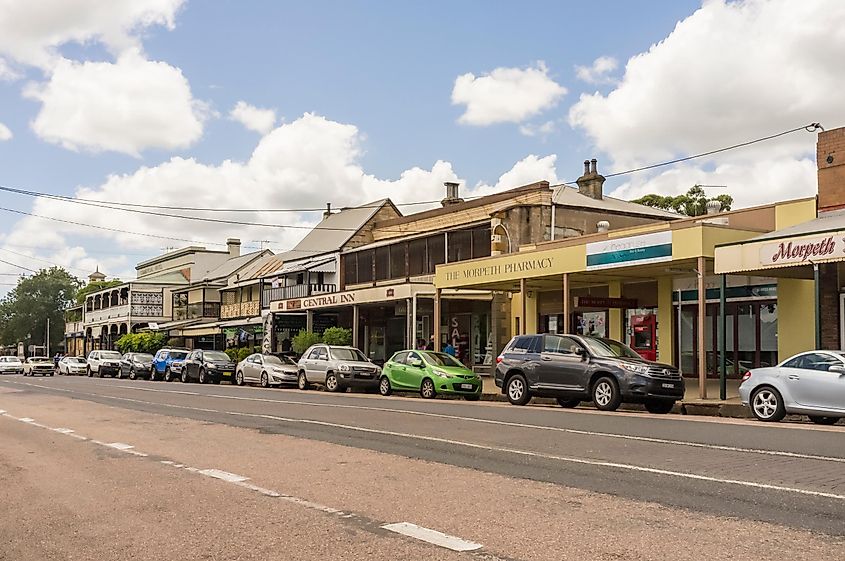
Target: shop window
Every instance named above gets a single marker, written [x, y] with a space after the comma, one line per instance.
[417, 257]
[481, 242]
[350, 268]
[460, 245]
[436, 253]
[382, 263]
[397, 261]
[365, 266]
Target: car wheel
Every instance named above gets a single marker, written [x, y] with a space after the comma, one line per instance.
[99, 372]
[184, 376]
[168, 375]
[427, 389]
[824, 420]
[767, 405]
[606, 395]
[203, 378]
[153, 374]
[659, 407]
[568, 403]
[239, 378]
[384, 386]
[517, 390]
[265, 383]
[88, 370]
[302, 381]
[332, 384]
[132, 374]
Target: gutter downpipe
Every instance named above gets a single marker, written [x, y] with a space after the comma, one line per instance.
[723, 344]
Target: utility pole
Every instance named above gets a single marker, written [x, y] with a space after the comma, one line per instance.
[47, 341]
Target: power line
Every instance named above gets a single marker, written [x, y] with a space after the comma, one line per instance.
[18, 266]
[38, 259]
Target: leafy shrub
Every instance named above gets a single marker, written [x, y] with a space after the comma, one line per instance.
[146, 342]
[303, 340]
[337, 336]
[232, 353]
[243, 353]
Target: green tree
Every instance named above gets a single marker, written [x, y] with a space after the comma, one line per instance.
[692, 203]
[145, 342]
[337, 336]
[95, 287]
[303, 340]
[25, 309]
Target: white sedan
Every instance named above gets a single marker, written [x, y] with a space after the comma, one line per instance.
[10, 365]
[73, 366]
[810, 383]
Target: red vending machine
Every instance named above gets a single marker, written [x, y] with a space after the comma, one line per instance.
[644, 335]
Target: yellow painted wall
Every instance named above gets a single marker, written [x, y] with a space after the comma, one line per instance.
[796, 320]
[614, 315]
[665, 323]
[530, 310]
[790, 214]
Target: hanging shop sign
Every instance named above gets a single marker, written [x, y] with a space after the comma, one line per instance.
[803, 250]
[602, 302]
[632, 250]
[348, 298]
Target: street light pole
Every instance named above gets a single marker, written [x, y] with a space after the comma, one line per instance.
[47, 340]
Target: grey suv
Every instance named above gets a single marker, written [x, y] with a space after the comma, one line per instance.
[337, 368]
[573, 369]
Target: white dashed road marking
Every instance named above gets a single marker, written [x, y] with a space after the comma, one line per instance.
[432, 536]
[404, 528]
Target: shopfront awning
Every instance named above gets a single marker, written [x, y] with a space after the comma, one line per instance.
[784, 252]
[202, 330]
[242, 322]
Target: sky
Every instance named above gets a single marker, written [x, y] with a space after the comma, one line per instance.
[275, 104]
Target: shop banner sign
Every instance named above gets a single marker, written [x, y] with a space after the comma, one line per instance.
[804, 250]
[632, 250]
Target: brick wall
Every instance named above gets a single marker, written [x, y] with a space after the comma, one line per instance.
[829, 305]
[830, 158]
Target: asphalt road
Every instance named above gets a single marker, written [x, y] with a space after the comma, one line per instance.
[519, 481]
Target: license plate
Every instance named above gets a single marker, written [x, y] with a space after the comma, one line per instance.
[466, 386]
[227, 373]
[670, 386]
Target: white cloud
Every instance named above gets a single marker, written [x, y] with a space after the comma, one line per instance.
[5, 133]
[31, 32]
[254, 118]
[728, 73]
[542, 130]
[127, 106]
[506, 95]
[302, 164]
[598, 72]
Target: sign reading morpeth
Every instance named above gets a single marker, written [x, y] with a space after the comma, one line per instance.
[804, 250]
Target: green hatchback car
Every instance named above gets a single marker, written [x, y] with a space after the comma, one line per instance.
[429, 373]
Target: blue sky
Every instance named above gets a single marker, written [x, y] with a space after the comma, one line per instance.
[390, 71]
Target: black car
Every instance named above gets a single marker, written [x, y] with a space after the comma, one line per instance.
[574, 368]
[208, 366]
[135, 365]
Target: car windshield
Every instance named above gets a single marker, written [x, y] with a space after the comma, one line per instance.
[110, 354]
[8, 359]
[441, 359]
[40, 359]
[609, 348]
[76, 359]
[143, 358]
[352, 355]
[178, 355]
[216, 355]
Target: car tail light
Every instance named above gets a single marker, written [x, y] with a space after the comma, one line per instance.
[499, 359]
[746, 376]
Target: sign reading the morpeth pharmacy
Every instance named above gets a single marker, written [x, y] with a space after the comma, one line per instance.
[802, 250]
[482, 272]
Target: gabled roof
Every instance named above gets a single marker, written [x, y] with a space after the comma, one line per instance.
[231, 266]
[570, 196]
[337, 229]
[257, 269]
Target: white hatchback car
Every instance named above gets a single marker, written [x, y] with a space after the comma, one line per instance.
[810, 383]
[73, 366]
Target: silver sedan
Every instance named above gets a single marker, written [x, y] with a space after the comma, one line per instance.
[810, 383]
[267, 370]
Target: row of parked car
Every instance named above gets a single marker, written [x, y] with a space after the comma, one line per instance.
[569, 368]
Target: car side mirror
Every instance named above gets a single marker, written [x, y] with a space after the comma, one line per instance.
[837, 369]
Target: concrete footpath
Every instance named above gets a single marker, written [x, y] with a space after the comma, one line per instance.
[692, 404]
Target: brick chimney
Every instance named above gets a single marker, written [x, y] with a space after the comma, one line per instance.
[452, 197]
[328, 211]
[234, 246]
[590, 184]
[830, 160]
